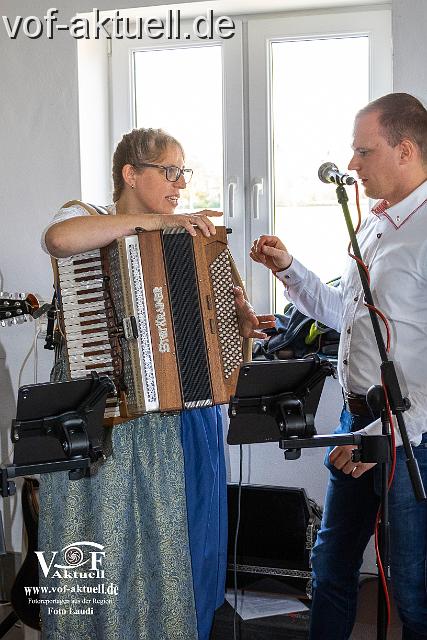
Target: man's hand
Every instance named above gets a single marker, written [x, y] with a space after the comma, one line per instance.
[251, 325]
[340, 457]
[271, 252]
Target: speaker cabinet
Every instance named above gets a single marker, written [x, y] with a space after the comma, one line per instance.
[278, 528]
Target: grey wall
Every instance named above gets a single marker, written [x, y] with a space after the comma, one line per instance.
[39, 169]
[410, 47]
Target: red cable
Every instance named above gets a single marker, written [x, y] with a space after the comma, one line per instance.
[381, 568]
[359, 221]
[384, 319]
[359, 213]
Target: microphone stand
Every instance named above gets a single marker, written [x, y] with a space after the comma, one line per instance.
[398, 405]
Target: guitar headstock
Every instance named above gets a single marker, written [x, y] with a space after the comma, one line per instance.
[14, 309]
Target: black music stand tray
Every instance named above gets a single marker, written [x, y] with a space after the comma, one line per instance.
[277, 401]
[58, 427]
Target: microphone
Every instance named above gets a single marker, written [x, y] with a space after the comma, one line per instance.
[328, 172]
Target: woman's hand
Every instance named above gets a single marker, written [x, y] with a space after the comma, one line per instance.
[251, 325]
[271, 252]
[154, 222]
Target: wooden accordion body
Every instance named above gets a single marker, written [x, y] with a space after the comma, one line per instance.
[154, 311]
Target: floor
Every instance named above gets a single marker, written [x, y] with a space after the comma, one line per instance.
[295, 626]
[291, 627]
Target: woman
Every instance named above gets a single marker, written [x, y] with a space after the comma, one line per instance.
[158, 503]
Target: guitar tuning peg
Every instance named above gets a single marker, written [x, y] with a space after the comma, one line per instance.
[2, 323]
[21, 296]
[21, 319]
[12, 321]
[4, 294]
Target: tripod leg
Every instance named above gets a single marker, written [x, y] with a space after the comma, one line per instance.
[8, 623]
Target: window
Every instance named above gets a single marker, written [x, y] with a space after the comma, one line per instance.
[185, 99]
[194, 92]
[308, 76]
[312, 119]
[257, 115]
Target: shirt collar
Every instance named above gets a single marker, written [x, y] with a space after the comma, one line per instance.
[399, 213]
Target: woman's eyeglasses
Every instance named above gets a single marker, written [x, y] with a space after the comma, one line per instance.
[172, 172]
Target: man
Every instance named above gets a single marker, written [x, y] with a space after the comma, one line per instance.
[390, 158]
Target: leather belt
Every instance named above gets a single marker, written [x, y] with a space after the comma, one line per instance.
[357, 405]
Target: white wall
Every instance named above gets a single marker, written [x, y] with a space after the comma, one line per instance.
[40, 169]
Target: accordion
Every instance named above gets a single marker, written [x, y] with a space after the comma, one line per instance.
[155, 312]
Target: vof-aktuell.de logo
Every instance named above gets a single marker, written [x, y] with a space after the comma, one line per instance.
[79, 567]
[82, 560]
[81, 587]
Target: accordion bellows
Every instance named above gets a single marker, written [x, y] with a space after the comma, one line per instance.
[154, 311]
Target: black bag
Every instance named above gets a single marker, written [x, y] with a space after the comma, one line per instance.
[295, 336]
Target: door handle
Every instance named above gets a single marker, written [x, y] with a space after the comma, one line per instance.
[232, 188]
[257, 191]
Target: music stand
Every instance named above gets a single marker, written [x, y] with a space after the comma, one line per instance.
[58, 426]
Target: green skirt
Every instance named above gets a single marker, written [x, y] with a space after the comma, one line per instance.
[134, 507]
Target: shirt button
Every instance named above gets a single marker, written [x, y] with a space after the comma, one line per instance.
[379, 235]
[356, 298]
[397, 218]
[345, 361]
[349, 330]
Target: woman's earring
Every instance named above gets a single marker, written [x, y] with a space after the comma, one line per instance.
[133, 186]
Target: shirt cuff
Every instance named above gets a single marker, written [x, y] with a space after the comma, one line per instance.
[294, 275]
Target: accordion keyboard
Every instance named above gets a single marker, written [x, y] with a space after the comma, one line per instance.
[87, 319]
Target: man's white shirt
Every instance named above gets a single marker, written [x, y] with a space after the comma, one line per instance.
[393, 244]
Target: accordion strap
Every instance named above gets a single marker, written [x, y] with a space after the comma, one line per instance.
[92, 210]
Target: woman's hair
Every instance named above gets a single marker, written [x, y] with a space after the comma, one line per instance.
[136, 147]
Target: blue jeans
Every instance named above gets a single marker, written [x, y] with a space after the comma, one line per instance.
[348, 523]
